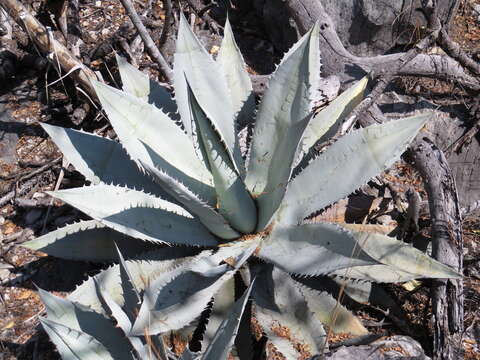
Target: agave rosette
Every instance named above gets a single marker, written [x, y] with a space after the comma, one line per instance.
[179, 177]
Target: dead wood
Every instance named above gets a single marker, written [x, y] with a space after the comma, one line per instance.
[447, 295]
[338, 60]
[47, 44]
[454, 50]
[388, 73]
[152, 49]
[167, 23]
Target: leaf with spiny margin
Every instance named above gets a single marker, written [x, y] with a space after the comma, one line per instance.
[400, 259]
[331, 313]
[140, 85]
[233, 200]
[194, 64]
[144, 268]
[282, 117]
[81, 318]
[222, 304]
[234, 68]
[137, 122]
[131, 294]
[366, 292]
[377, 273]
[326, 123]
[346, 165]
[138, 214]
[282, 312]
[174, 300]
[312, 249]
[208, 216]
[87, 240]
[75, 345]
[227, 331]
[100, 159]
[114, 311]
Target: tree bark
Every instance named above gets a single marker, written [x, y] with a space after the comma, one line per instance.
[447, 295]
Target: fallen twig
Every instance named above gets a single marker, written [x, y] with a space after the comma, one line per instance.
[49, 45]
[455, 51]
[147, 40]
[167, 23]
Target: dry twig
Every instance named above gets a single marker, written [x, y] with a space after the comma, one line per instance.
[147, 40]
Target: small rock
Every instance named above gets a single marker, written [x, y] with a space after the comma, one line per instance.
[4, 275]
[395, 347]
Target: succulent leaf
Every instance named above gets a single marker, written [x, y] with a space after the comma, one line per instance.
[319, 249]
[123, 321]
[331, 313]
[346, 165]
[326, 123]
[174, 154]
[401, 259]
[100, 159]
[223, 340]
[131, 295]
[283, 313]
[76, 345]
[138, 214]
[82, 319]
[209, 217]
[76, 241]
[177, 298]
[234, 68]
[140, 85]
[223, 302]
[234, 201]
[143, 270]
[284, 113]
[192, 63]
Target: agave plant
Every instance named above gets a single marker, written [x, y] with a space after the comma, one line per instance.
[179, 177]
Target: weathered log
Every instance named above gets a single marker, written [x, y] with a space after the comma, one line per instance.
[47, 44]
[447, 295]
[337, 60]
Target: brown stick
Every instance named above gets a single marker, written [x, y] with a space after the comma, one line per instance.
[147, 40]
[47, 44]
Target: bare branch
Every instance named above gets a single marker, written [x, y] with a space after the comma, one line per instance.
[454, 50]
[147, 40]
[49, 45]
[338, 60]
[167, 6]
